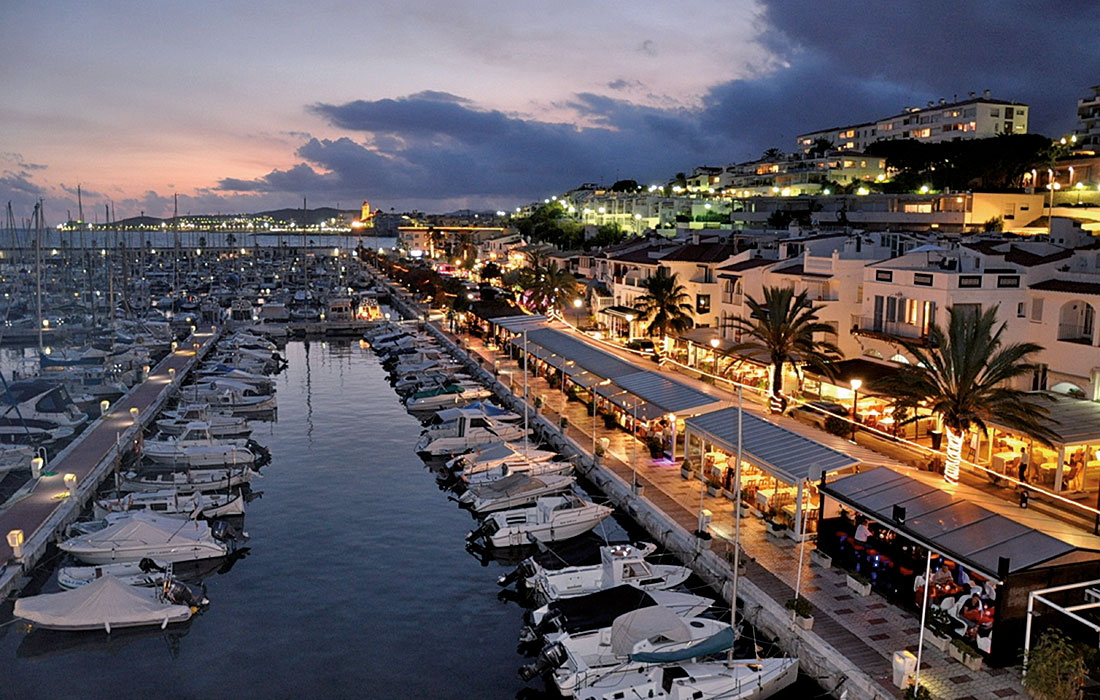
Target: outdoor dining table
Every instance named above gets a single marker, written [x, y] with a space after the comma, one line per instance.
[1001, 460]
[764, 497]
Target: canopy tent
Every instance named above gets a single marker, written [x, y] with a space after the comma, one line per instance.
[979, 539]
[778, 451]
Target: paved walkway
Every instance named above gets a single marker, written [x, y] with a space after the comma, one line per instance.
[866, 630]
[90, 449]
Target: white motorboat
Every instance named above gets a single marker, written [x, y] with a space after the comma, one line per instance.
[743, 679]
[513, 492]
[187, 482]
[552, 518]
[506, 469]
[171, 502]
[221, 371]
[105, 603]
[144, 535]
[621, 563]
[236, 397]
[221, 424]
[15, 457]
[495, 453]
[445, 396]
[467, 432]
[196, 448]
[39, 402]
[599, 609]
[133, 573]
[575, 660]
[501, 415]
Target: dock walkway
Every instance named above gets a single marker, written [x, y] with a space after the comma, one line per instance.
[48, 507]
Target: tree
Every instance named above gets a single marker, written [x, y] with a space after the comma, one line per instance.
[491, 271]
[965, 379]
[821, 147]
[781, 330]
[551, 287]
[665, 306]
[626, 186]
[1056, 668]
[772, 154]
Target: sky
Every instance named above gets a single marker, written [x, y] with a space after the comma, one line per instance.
[413, 104]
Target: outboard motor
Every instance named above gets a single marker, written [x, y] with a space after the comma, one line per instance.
[222, 531]
[550, 658]
[147, 566]
[485, 530]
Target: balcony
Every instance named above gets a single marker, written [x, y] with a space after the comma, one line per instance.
[890, 330]
[1075, 333]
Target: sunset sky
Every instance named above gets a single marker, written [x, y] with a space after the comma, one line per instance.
[243, 106]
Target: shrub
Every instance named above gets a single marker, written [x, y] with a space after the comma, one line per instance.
[1055, 668]
[656, 447]
[940, 621]
[837, 426]
[800, 606]
[915, 692]
[967, 648]
[609, 421]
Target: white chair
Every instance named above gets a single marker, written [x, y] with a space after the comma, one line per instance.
[918, 583]
[985, 643]
[947, 604]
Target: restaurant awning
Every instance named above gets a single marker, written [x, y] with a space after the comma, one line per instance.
[1076, 421]
[665, 394]
[781, 452]
[959, 530]
[589, 357]
[518, 324]
[619, 311]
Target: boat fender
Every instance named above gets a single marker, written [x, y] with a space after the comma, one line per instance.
[620, 550]
[107, 626]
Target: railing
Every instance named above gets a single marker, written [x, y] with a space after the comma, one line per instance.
[1074, 333]
[870, 324]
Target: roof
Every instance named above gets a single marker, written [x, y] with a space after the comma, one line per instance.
[800, 270]
[518, 324]
[1016, 255]
[701, 252]
[664, 394]
[781, 452]
[1068, 286]
[957, 529]
[744, 265]
[1076, 421]
[641, 255]
[20, 391]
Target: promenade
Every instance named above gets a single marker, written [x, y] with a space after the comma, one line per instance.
[48, 505]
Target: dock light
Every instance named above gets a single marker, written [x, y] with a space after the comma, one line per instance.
[45, 323]
[387, 316]
[134, 413]
[213, 330]
[144, 372]
[322, 316]
[104, 406]
[70, 482]
[192, 329]
[195, 346]
[15, 541]
[171, 374]
[36, 467]
[174, 345]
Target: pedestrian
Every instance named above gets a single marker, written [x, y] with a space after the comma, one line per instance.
[1023, 464]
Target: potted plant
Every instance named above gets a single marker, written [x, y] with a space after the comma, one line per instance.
[803, 612]
[714, 485]
[859, 583]
[685, 471]
[820, 558]
[775, 528]
[965, 653]
[563, 422]
[917, 692]
[1055, 668]
[609, 421]
[655, 446]
[940, 624]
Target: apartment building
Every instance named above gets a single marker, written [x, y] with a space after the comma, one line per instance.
[1088, 120]
[972, 118]
[696, 266]
[798, 174]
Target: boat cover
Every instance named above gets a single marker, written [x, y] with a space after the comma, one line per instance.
[141, 529]
[599, 609]
[103, 602]
[630, 628]
[516, 484]
[711, 645]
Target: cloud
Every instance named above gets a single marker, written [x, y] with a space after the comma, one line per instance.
[648, 47]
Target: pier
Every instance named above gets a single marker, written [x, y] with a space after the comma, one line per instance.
[43, 511]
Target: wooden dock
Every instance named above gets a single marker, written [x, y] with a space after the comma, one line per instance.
[48, 508]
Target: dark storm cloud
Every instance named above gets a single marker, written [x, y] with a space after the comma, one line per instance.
[837, 63]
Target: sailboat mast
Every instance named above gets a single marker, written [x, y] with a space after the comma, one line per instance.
[110, 268]
[736, 531]
[38, 268]
[176, 241]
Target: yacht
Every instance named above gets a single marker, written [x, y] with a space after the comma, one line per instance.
[145, 535]
[513, 492]
[466, 432]
[550, 519]
[619, 564]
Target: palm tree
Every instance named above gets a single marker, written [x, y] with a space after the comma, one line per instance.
[551, 287]
[781, 329]
[665, 306]
[965, 378]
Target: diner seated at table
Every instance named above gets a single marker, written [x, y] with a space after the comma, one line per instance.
[976, 614]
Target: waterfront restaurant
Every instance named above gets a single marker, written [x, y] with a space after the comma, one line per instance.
[779, 468]
[886, 528]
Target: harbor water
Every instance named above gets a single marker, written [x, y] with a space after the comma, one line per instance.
[357, 582]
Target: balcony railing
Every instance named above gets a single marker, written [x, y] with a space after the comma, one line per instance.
[869, 325]
[1074, 333]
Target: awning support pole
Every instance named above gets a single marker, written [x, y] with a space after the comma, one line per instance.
[923, 615]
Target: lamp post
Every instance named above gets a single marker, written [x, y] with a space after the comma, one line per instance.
[604, 382]
[634, 441]
[629, 327]
[577, 304]
[856, 384]
[714, 354]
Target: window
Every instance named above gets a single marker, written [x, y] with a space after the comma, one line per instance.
[1036, 310]
[922, 279]
[1019, 113]
[1021, 310]
[995, 113]
[702, 303]
[884, 275]
[1008, 281]
[970, 281]
[974, 310]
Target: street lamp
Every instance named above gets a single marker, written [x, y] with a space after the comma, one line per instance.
[714, 353]
[856, 384]
[629, 327]
[594, 403]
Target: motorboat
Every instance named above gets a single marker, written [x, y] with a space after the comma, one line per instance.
[489, 410]
[552, 518]
[575, 660]
[15, 457]
[599, 609]
[445, 396]
[468, 431]
[494, 454]
[133, 573]
[221, 424]
[513, 492]
[236, 397]
[619, 564]
[171, 502]
[145, 535]
[47, 402]
[192, 480]
[741, 679]
[105, 603]
[222, 371]
[472, 477]
[195, 448]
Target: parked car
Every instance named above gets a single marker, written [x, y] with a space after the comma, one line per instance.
[642, 345]
[826, 406]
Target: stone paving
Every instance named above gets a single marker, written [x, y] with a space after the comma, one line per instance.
[880, 628]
